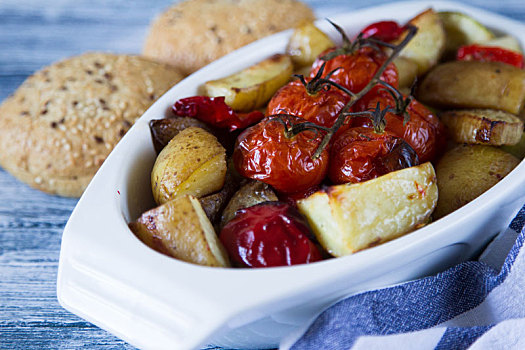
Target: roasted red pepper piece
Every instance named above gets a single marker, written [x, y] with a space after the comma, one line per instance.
[269, 234]
[386, 31]
[214, 111]
[491, 54]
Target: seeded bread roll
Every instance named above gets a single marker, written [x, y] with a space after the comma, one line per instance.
[193, 33]
[61, 124]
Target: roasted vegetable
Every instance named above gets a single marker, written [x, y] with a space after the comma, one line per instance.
[193, 162]
[426, 47]
[505, 42]
[347, 218]
[474, 85]
[163, 130]
[386, 31]
[268, 152]
[483, 126]
[214, 204]
[465, 172]
[252, 87]
[359, 154]
[306, 43]
[461, 29]
[180, 228]
[406, 70]
[214, 111]
[269, 234]
[517, 150]
[252, 193]
[476, 52]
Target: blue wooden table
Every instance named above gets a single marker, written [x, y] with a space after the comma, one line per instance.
[34, 34]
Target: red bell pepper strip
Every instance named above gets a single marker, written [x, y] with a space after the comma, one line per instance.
[489, 53]
[214, 111]
[386, 31]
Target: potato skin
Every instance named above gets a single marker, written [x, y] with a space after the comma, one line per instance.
[252, 87]
[213, 204]
[466, 171]
[180, 229]
[193, 162]
[472, 84]
[250, 194]
[163, 130]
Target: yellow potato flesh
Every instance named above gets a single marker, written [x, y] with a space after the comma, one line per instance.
[351, 217]
[427, 46]
[180, 229]
[252, 87]
[406, 71]
[306, 43]
[193, 162]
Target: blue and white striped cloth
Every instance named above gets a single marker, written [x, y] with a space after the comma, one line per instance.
[474, 305]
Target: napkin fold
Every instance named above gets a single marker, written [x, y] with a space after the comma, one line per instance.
[476, 304]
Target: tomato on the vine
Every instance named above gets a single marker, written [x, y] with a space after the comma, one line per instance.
[359, 154]
[355, 70]
[320, 107]
[424, 132]
[269, 153]
[269, 234]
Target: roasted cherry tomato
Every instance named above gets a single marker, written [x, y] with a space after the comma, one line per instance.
[491, 54]
[214, 111]
[386, 31]
[320, 107]
[266, 152]
[424, 132]
[359, 154]
[269, 234]
[357, 69]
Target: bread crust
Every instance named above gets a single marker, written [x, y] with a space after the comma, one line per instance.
[63, 121]
[193, 33]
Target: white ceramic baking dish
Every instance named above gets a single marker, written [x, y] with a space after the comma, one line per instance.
[110, 278]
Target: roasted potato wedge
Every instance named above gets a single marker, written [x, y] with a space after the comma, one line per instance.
[252, 87]
[180, 229]
[483, 126]
[465, 172]
[351, 217]
[461, 29]
[473, 84]
[163, 130]
[428, 44]
[306, 43]
[193, 162]
[252, 193]
[406, 70]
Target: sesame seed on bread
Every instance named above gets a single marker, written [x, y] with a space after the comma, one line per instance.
[63, 121]
[193, 33]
